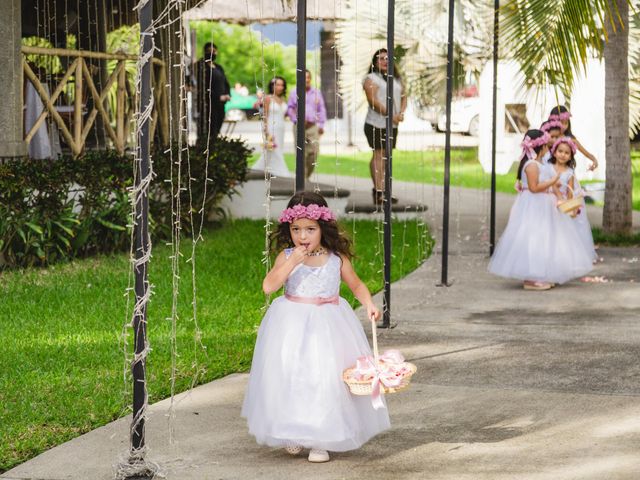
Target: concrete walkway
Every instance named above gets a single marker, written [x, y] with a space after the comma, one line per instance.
[510, 384]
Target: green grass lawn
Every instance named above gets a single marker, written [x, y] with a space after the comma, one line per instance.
[427, 167]
[62, 357]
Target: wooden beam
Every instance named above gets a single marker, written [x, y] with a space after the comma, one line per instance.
[120, 104]
[163, 107]
[98, 104]
[94, 112]
[64, 52]
[48, 105]
[77, 109]
[54, 97]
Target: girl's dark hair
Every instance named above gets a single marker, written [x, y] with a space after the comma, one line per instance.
[532, 134]
[332, 239]
[571, 163]
[557, 111]
[272, 85]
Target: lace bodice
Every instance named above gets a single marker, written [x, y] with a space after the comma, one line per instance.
[307, 281]
[564, 181]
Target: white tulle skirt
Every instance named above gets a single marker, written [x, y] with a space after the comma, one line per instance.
[540, 243]
[583, 226]
[296, 393]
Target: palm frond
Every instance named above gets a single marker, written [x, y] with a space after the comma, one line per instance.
[553, 40]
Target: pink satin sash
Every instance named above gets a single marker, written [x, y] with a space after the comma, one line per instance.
[335, 300]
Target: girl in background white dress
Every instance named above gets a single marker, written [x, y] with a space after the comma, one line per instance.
[563, 161]
[563, 115]
[554, 129]
[275, 108]
[296, 397]
[524, 247]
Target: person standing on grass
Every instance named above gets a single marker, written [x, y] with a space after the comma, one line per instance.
[213, 91]
[375, 124]
[315, 118]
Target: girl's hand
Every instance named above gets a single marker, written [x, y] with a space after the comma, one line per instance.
[298, 255]
[373, 312]
[594, 165]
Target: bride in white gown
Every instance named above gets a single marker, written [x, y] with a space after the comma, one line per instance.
[275, 109]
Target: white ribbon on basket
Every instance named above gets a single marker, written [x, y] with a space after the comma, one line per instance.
[385, 372]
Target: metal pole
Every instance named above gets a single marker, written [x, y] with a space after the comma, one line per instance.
[142, 244]
[301, 92]
[386, 316]
[492, 226]
[447, 152]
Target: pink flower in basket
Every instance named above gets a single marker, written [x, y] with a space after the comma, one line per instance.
[390, 371]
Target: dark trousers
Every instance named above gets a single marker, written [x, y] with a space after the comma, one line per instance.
[216, 118]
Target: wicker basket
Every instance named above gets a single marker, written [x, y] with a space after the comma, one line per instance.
[364, 387]
[572, 204]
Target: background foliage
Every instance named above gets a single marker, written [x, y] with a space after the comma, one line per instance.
[53, 211]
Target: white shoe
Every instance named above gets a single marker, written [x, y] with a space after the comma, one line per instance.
[318, 456]
[293, 449]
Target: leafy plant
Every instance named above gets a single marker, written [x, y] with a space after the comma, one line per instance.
[53, 211]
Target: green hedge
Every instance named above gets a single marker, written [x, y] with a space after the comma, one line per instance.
[56, 210]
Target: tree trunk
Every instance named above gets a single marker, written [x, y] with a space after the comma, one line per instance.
[617, 198]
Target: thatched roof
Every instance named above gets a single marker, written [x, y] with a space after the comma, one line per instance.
[262, 11]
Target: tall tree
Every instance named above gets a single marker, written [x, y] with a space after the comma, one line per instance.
[617, 216]
[555, 40]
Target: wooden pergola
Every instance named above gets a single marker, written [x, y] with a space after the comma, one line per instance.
[86, 120]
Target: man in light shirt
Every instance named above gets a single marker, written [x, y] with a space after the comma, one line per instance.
[315, 118]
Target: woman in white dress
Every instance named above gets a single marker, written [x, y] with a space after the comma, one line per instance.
[275, 108]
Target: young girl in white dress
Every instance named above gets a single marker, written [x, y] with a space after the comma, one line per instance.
[563, 115]
[554, 129]
[563, 162]
[296, 397]
[538, 246]
[275, 108]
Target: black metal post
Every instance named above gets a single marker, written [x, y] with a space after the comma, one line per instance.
[447, 152]
[301, 91]
[386, 311]
[142, 244]
[492, 225]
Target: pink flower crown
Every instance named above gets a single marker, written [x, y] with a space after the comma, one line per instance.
[530, 144]
[312, 212]
[568, 140]
[560, 116]
[550, 125]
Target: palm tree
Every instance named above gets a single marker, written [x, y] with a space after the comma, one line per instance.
[553, 41]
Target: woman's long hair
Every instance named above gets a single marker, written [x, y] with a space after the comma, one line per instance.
[272, 86]
[373, 67]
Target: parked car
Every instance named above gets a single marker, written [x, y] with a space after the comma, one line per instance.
[240, 107]
[465, 116]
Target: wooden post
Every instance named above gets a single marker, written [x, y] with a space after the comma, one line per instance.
[77, 110]
[163, 106]
[120, 107]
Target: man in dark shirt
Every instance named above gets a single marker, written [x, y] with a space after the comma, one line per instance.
[213, 91]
